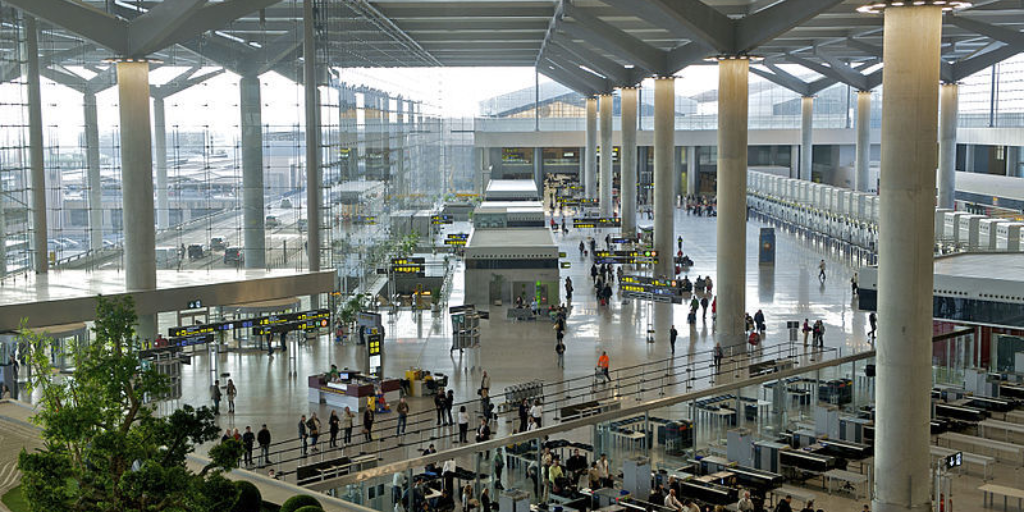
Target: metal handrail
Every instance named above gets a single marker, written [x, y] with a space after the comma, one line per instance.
[566, 392]
[566, 426]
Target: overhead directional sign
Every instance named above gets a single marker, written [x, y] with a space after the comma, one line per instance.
[649, 288]
[597, 222]
[415, 266]
[626, 257]
[441, 219]
[204, 333]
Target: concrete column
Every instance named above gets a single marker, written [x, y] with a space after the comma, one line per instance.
[607, 155]
[664, 174]
[160, 144]
[732, 199]
[40, 260]
[949, 99]
[400, 178]
[538, 169]
[92, 164]
[253, 207]
[589, 181]
[312, 139]
[627, 161]
[863, 163]
[906, 236]
[691, 170]
[969, 158]
[806, 137]
[137, 184]
[794, 161]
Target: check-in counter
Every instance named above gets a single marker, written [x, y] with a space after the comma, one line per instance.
[951, 231]
[351, 390]
[940, 222]
[1009, 236]
[988, 233]
[968, 232]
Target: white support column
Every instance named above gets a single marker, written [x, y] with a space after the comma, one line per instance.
[538, 169]
[137, 184]
[160, 144]
[607, 155]
[92, 163]
[691, 170]
[627, 160]
[806, 137]
[40, 254]
[589, 180]
[664, 174]
[312, 139]
[863, 163]
[253, 228]
[949, 99]
[911, 45]
[732, 199]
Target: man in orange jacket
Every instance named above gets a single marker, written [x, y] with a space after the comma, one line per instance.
[602, 363]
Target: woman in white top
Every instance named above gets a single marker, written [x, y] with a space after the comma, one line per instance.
[536, 412]
[603, 472]
[463, 424]
[532, 425]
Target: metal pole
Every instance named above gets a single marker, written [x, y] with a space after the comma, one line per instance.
[92, 161]
[312, 139]
[41, 263]
[160, 147]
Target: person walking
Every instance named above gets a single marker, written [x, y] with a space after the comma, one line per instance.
[807, 330]
[560, 350]
[248, 440]
[537, 412]
[215, 396]
[603, 364]
[821, 271]
[672, 335]
[568, 289]
[524, 414]
[593, 272]
[719, 354]
[368, 424]
[704, 309]
[854, 285]
[759, 321]
[583, 248]
[303, 434]
[314, 431]
[449, 402]
[333, 425]
[873, 322]
[483, 431]
[485, 382]
[439, 405]
[263, 438]
[403, 415]
[463, 424]
[346, 422]
[232, 392]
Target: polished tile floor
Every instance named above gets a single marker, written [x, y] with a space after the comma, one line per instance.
[273, 390]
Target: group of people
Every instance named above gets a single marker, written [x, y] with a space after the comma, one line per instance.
[309, 429]
[700, 206]
[755, 327]
[817, 332]
[249, 441]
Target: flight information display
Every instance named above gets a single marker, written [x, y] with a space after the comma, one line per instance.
[640, 257]
[197, 334]
[597, 222]
[649, 288]
[408, 266]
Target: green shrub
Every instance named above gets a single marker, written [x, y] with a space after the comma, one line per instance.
[310, 508]
[295, 503]
[249, 497]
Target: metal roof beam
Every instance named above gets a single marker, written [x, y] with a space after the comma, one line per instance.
[272, 53]
[967, 67]
[850, 77]
[593, 60]
[754, 30]
[149, 32]
[82, 19]
[182, 82]
[595, 82]
[556, 73]
[611, 39]
[1003, 34]
[685, 19]
[783, 79]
